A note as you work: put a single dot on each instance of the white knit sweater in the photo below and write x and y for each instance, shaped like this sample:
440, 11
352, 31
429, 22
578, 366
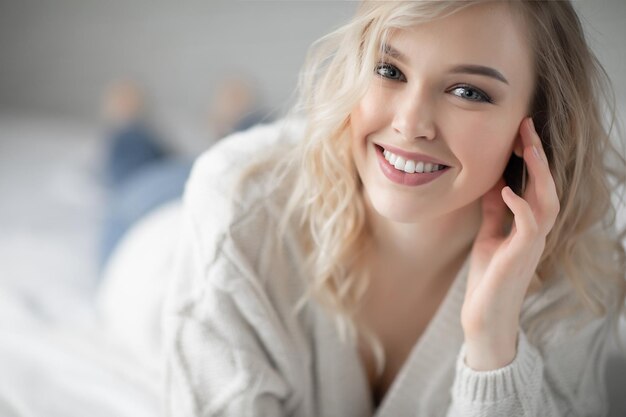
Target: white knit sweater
235, 347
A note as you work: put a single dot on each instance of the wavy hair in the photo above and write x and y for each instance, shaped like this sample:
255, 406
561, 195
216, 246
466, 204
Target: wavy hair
573, 108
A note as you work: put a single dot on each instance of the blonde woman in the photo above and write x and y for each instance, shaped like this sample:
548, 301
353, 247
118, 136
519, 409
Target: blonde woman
435, 239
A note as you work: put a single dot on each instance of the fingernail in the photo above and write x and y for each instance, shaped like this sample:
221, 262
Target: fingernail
532, 124
537, 154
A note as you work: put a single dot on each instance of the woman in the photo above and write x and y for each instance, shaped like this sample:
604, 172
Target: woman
382, 265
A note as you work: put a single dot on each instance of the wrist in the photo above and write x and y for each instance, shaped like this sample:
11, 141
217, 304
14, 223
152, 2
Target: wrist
488, 353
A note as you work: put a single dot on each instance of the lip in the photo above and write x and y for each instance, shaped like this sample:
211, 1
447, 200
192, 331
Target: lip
410, 155
404, 178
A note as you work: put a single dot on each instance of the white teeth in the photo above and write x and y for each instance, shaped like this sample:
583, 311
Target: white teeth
399, 164
410, 166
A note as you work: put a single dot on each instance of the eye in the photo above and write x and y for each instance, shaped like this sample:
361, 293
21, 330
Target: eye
471, 93
389, 71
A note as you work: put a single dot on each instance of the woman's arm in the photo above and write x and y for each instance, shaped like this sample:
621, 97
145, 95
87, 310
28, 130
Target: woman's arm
231, 348
217, 363
564, 378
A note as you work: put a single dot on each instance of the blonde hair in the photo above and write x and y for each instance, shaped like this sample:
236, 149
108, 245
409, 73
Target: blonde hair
572, 94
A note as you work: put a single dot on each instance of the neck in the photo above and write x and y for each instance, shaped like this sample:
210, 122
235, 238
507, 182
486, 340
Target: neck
425, 250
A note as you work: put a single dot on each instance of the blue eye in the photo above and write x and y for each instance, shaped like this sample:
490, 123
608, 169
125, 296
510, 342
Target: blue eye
472, 94
389, 71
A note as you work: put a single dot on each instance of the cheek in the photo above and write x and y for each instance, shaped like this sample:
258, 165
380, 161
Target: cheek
483, 147
370, 115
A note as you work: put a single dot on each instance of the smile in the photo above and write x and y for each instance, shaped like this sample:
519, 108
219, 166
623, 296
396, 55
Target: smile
409, 166
407, 171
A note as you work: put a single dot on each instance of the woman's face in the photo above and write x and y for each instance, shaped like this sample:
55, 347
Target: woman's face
425, 103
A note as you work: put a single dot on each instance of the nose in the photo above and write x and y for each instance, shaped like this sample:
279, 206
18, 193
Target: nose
414, 116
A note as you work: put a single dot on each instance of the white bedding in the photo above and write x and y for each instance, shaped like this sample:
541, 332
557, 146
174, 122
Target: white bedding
56, 359
50, 208
58, 370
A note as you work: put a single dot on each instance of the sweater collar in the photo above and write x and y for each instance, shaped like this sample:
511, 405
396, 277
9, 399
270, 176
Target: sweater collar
438, 346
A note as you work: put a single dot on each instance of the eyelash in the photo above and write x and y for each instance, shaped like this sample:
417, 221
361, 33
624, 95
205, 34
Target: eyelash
388, 66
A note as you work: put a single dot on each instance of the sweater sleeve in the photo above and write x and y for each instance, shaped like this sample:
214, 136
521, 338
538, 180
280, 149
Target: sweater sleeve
217, 360
565, 378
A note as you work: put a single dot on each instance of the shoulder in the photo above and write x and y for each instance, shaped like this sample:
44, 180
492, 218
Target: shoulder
231, 202
217, 172
231, 267
210, 193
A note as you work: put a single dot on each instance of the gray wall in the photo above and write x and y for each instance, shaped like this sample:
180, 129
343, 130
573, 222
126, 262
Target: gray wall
605, 28
56, 56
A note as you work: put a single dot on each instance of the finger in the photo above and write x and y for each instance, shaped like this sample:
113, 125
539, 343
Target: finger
524, 218
541, 190
529, 134
493, 212
540, 181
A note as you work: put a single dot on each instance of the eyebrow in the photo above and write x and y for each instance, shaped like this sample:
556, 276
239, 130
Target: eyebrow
458, 69
479, 70
394, 53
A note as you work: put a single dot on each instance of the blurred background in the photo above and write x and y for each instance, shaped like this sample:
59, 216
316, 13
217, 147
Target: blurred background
194, 71
58, 57
194, 64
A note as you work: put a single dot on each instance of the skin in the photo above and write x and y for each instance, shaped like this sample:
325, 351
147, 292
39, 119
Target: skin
422, 233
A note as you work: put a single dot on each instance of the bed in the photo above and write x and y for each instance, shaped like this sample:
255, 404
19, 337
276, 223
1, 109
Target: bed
57, 355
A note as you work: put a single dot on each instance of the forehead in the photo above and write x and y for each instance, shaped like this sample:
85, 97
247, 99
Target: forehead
484, 34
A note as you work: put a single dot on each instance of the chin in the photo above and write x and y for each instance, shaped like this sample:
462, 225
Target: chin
394, 209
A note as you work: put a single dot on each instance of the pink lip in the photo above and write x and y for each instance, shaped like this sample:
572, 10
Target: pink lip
410, 155
404, 178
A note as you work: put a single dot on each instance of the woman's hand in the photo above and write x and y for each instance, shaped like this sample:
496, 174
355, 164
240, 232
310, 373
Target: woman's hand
502, 265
